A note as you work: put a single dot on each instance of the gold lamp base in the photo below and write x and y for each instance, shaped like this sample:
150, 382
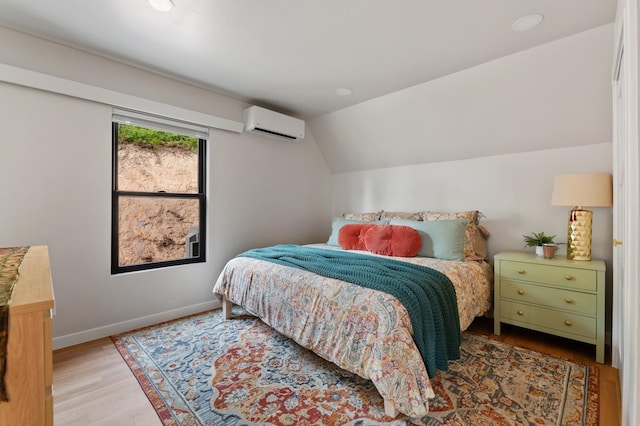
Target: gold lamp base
579, 234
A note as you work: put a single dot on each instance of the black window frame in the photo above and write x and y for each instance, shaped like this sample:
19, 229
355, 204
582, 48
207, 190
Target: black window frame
116, 194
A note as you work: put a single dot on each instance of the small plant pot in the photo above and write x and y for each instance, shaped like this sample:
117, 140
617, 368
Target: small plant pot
549, 250
539, 251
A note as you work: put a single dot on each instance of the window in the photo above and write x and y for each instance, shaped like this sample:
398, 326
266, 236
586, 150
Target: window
158, 193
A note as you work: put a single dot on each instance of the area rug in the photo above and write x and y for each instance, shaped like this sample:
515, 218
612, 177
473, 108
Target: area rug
202, 370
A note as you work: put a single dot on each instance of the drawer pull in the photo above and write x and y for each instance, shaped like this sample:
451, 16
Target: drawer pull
520, 312
521, 271
568, 277
568, 300
521, 292
567, 323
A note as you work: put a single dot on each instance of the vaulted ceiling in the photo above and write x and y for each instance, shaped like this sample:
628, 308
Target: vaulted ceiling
293, 55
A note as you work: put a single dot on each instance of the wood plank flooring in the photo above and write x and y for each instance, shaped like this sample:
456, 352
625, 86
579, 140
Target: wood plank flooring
94, 386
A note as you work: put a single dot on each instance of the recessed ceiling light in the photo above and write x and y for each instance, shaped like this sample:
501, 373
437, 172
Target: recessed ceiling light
343, 91
161, 5
528, 22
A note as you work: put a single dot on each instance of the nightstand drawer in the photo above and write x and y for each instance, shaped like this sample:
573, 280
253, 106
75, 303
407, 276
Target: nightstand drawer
574, 301
583, 279
563, 322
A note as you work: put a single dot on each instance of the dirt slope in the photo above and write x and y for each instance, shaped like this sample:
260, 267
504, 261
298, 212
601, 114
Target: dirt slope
154, 229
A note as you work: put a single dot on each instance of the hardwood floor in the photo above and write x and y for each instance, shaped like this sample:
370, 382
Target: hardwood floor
94, 386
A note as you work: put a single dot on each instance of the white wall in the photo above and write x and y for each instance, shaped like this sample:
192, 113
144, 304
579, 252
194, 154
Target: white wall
31, 53
489, 138
513, 191
551, 96
509, 126
55, 166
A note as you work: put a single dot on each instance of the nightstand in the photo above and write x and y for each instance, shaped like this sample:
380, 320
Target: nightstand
557, 296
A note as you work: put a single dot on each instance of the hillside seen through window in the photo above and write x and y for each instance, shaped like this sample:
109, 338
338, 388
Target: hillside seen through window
157, 199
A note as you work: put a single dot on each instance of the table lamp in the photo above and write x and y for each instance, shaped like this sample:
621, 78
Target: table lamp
580, 190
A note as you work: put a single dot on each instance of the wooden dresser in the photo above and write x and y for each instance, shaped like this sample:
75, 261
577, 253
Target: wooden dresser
556, 296
29, 375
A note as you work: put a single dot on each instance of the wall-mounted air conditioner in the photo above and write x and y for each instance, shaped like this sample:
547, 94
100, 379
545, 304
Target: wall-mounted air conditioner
273, 124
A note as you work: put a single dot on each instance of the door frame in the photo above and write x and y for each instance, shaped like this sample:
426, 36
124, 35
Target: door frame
626, 289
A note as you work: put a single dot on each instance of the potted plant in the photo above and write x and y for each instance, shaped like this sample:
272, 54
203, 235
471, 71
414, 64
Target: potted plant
537, 240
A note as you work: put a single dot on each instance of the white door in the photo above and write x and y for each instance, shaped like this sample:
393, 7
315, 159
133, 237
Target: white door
619, 128
626, 210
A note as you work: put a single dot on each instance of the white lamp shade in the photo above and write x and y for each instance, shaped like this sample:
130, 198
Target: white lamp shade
589, 190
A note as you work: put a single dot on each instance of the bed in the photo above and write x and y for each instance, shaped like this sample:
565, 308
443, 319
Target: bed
362, 330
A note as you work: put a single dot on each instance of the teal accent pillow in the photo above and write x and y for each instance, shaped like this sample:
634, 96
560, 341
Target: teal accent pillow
442, 239
339, 222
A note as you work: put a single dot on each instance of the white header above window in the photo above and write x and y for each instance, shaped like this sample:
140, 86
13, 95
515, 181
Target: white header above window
49, 83
159, 123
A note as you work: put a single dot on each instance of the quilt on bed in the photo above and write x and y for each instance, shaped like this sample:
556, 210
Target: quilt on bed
365, 331
426, 294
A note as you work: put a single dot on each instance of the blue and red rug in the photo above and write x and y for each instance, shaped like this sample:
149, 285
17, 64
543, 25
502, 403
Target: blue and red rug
202, 370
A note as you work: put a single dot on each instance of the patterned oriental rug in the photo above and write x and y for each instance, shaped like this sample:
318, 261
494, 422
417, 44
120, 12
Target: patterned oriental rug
202, 370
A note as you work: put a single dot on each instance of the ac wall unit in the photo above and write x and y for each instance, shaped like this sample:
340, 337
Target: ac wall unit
273, 124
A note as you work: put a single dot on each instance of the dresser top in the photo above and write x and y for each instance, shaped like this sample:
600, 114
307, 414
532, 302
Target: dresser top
521, 256
33, 290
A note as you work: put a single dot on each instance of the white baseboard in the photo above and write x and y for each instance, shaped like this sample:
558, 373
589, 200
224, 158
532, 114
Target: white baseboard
121, 327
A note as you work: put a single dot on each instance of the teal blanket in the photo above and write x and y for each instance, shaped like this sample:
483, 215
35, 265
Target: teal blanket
427, 294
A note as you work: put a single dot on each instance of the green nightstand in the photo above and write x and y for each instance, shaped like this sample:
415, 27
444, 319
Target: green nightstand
556, 296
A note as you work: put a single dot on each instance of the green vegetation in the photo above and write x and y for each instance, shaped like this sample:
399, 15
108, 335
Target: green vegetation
153, 138
537, 239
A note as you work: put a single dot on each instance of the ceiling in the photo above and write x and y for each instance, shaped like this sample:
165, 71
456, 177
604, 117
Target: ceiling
292, 55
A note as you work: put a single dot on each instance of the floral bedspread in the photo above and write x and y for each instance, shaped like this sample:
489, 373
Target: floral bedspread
364, 331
